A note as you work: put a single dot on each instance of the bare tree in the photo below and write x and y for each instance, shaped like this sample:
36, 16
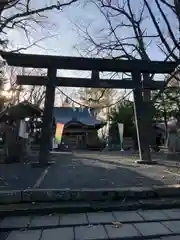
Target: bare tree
138, 29
96, 97
32, 94
170, 38
130, 30
26, 15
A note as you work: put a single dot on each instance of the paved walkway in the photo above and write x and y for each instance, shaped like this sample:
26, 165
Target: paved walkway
18, 176
147, 224
88, 170
99, 170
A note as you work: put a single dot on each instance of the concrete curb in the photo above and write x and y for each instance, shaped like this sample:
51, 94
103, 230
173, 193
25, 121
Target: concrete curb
25, 209
173, 156
11, 196
88, 195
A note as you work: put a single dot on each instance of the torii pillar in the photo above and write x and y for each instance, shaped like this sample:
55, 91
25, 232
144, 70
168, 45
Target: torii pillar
141, 123
46, 135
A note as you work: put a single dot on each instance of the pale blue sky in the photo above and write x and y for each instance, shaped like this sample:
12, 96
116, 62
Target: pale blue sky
63, 44
67, 38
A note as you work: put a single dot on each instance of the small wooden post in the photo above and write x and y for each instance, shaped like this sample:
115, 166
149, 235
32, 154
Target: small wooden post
46, 140
139, 107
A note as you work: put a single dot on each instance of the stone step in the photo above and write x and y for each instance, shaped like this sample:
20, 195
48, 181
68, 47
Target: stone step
55, 220
122, 225
80, 207
88, 195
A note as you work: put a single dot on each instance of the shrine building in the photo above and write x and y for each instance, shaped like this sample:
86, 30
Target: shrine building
80, 127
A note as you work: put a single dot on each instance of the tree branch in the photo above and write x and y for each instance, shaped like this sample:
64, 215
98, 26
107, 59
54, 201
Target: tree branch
57, 6
159, 31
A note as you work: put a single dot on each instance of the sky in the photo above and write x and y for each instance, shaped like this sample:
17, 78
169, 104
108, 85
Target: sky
67, 37
68, 40
67, 32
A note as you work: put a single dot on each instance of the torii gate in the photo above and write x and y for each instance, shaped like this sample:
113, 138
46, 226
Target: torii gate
53, 63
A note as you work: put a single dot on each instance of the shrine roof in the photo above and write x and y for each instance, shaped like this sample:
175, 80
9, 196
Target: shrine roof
83, 115
20, 110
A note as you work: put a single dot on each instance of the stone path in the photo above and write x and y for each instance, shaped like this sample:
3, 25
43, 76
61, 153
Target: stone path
87, 170
101, 170
18, 176
147, 224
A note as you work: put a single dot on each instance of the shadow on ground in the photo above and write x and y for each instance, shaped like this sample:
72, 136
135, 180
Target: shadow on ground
18, 176
85, 170
91, 172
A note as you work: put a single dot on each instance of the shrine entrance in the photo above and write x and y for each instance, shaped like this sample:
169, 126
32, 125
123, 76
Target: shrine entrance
142, 108
73, 135
74, 140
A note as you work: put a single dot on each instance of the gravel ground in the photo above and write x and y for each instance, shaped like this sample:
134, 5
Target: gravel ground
18, 176
102, 170
88, 170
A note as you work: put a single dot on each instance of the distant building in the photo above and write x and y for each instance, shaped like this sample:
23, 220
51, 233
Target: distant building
80, 127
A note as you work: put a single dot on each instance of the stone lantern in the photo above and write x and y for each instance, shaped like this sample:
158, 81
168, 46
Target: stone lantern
173, 139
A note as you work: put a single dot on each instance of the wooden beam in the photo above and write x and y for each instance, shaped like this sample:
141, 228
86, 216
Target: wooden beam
92, 64
85, 82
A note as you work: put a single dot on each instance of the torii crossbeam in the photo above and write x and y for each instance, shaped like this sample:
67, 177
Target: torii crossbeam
53, 63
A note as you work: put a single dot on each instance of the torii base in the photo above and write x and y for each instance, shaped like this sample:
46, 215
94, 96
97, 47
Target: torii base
41, 165
147, 162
